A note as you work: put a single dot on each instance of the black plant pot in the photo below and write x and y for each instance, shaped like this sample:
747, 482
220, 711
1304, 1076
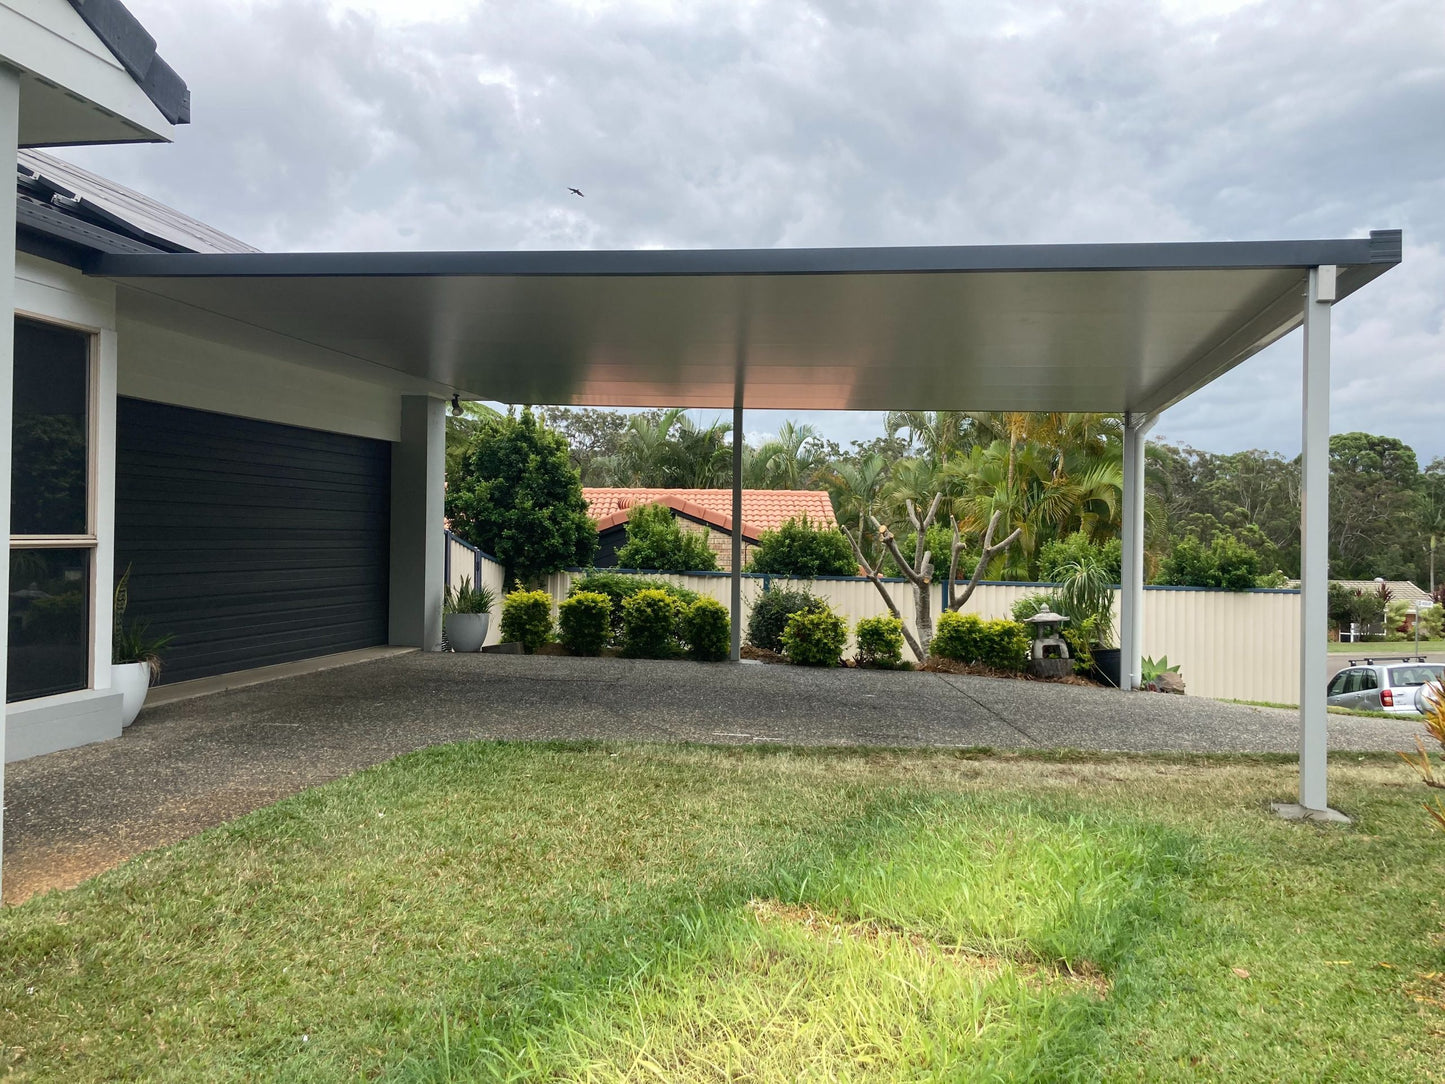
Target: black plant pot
1107, 663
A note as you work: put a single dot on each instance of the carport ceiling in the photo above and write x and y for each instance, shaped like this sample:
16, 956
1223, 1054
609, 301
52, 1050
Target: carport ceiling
1055, 327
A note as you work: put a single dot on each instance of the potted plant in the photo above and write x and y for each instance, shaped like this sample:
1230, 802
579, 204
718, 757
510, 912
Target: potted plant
135, 656
468, 613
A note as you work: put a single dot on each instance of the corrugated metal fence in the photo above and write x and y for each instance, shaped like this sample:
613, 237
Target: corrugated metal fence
1238, 645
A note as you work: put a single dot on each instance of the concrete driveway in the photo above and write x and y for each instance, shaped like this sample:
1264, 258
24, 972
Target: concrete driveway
195, 763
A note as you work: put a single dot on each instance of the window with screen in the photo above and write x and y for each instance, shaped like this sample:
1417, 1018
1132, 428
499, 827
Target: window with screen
52, 539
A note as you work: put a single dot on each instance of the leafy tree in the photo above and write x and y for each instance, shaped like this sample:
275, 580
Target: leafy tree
1225, 563
462, 431
516, 493
656, 541
594, 436
798, 548
1375, 508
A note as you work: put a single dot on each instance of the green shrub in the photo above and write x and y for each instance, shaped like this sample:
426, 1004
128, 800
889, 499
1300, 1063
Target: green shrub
815, 637
707, 631
880, 641
798, 548
657, 542
584, 622
1002, 644
650, 621
1226, 563
771, 612
527, 619
620, 586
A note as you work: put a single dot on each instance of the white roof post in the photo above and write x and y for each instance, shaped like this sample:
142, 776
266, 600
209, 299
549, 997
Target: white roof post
1314, 549
1131, 587
736, 600
9, 146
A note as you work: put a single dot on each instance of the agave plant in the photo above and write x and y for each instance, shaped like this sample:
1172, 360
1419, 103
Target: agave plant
466, 599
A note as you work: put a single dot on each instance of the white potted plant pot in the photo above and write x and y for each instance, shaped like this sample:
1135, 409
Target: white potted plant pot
132, 680
467, 632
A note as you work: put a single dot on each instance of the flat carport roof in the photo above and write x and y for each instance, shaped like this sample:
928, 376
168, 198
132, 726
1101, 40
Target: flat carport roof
1126, 328
1121, 328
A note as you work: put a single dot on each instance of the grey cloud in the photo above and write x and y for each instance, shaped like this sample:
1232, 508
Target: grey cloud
779, 123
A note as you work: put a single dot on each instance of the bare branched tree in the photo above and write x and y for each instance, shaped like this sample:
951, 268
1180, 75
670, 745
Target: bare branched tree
919, 571
989, 552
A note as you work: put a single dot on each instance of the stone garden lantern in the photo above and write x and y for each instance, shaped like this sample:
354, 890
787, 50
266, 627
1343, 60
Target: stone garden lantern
1049, 656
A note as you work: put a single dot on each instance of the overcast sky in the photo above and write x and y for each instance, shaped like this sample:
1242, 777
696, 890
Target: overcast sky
388, 124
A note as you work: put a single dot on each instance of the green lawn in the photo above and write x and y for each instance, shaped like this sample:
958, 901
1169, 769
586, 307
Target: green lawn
1388, 647
627, 913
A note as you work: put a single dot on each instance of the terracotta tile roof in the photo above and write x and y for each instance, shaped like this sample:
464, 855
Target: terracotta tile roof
763, 509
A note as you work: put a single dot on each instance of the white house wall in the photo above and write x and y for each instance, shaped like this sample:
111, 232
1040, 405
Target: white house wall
167, 366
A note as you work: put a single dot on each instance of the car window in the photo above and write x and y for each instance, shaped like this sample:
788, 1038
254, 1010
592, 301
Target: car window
1414, 675
1368, 680
1337, 686
1352, 681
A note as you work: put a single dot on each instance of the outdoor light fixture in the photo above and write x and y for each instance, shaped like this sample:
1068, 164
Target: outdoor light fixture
456, 406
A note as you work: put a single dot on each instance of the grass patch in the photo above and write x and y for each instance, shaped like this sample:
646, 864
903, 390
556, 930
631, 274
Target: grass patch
1329, 709
616, 913
1375, 649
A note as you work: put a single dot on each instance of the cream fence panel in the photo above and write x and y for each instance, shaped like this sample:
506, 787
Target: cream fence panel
1234, 645
464, 562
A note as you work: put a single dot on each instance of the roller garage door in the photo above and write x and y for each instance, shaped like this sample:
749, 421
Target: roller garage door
252, 543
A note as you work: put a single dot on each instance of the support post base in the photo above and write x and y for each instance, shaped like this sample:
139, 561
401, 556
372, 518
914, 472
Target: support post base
1293, 811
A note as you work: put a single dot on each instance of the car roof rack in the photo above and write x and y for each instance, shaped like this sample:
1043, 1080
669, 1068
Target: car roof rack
1387, 658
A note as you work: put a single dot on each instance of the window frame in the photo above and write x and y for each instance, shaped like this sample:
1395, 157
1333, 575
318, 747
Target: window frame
89, 540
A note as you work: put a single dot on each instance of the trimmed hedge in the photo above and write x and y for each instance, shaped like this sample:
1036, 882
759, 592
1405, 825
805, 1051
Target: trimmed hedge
655, 540
707, 631
801, 548
527, 619
880, 642
815, 638
584, 622
771, 612
1002, 644
621, 586
650, 622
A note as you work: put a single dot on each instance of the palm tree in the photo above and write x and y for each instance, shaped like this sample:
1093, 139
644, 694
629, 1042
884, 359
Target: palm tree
669, 451
856, 489
937, 434
791, 460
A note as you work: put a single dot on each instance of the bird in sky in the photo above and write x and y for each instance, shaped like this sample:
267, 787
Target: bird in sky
576, 192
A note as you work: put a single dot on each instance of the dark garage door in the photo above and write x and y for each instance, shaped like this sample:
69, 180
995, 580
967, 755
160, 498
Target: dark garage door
253, 543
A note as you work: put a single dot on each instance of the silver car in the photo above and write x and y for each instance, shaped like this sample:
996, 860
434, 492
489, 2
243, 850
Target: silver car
1398, 686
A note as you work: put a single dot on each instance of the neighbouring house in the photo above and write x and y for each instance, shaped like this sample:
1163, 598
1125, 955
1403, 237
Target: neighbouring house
705, 510
1402, 590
